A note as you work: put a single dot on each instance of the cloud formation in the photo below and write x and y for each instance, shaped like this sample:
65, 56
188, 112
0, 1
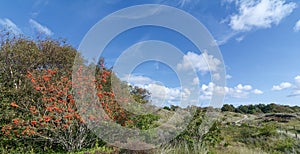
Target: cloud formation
161, 95
283, 85
297, 26
40, 28
228, 76
11, 26
294, 87
297, 80
203, 62
259, 14
258, 92
296, 90
137, 80
239, 91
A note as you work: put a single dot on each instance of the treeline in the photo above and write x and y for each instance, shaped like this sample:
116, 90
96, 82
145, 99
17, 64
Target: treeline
261, 108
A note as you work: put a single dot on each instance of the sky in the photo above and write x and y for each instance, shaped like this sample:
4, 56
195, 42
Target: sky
259, 41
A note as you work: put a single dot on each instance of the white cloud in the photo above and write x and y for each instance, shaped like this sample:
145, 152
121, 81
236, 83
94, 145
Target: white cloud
260, 14
160, 95
295, 87
296, 90
40, 28
11, 26
240, 39
196, 81
203, 62
228, 76
297, 80
258, 92
225, 38
239, 91
137, 80
245, 87
297, 26
282, 86
206, 91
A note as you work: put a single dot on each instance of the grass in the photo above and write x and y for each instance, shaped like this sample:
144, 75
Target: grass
238, 149
244, 138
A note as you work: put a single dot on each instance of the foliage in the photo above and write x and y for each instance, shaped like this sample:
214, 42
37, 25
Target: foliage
193, 134
260, 108
268, 130
38, 103
18, 56
140, 95
39, 113
263, 138
227, 107
145, 122
286, 145
181, 147
213, 137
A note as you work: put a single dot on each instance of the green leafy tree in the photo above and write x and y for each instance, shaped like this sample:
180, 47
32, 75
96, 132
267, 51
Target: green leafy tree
268, 130
227, 107
140, 95
213, 137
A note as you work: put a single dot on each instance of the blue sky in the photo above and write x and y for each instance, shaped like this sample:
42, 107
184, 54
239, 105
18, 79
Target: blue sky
259, 41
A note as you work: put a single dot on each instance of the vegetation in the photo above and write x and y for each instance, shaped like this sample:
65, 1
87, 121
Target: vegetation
39, 114
261, 108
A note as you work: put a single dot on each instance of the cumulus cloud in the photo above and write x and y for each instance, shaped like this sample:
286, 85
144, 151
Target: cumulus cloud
259, 14
228, 76
207, 91
239, 91
297, 26
294, 87
161, 95
297, 80
203, 62
296, 90
245, 87
258, 92
11, 26
281, 86
40, 28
